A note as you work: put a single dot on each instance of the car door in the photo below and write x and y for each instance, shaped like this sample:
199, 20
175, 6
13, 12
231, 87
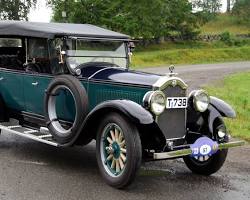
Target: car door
11, 73
35, 86
11, 89
38, 78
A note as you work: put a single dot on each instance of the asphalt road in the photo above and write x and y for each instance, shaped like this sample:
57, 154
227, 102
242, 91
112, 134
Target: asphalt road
30, 170
199, 75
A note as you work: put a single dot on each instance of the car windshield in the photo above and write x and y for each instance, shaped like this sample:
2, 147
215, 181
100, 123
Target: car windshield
82, 53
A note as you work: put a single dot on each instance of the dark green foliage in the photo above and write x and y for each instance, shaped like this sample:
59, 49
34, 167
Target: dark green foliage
204, 17
209, 6
206, 10
15, 9
226, 38
242, 10
140, 19
231, 40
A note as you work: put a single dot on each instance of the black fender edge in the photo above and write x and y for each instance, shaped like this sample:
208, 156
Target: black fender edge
218, 108
133, 111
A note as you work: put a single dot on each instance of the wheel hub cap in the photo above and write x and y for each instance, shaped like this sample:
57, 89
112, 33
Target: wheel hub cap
114, 150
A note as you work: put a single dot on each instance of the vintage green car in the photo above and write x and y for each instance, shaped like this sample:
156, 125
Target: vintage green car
68, 84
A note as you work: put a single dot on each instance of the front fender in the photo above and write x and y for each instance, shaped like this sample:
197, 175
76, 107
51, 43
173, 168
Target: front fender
218, 108
222, 107
132, 110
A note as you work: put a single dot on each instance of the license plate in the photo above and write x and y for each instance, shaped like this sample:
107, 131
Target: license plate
176, 102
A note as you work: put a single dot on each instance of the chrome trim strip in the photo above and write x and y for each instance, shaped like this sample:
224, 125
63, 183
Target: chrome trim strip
165, 81
101, 81
186, 152
231, 144
98, 72
101, 38
172, 154
172, 139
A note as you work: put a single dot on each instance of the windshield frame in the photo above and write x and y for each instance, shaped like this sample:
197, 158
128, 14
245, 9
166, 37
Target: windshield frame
126, 50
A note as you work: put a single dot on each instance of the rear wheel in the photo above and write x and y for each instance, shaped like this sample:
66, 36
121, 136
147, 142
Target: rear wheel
118, 150
207, 165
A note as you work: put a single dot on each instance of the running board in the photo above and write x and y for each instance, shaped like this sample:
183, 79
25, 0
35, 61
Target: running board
41, 135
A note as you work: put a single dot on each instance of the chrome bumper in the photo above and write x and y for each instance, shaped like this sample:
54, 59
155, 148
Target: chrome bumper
186, 152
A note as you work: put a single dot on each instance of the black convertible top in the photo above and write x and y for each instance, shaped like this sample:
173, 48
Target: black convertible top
51, 30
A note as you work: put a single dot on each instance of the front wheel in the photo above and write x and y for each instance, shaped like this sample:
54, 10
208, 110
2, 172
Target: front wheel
207, 165
118, 150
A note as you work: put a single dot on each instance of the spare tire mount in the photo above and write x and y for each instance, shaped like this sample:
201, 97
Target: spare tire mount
65, 82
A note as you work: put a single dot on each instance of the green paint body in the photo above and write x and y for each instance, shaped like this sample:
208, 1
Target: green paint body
20, 94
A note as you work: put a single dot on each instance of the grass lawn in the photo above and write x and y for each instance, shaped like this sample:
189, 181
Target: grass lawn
223, 23
235, 90
194, 54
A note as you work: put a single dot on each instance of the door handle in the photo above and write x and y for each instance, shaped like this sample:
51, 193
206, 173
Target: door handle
35, 83
1, 78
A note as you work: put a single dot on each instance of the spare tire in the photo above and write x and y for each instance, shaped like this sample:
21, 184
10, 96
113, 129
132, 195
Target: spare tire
59, 132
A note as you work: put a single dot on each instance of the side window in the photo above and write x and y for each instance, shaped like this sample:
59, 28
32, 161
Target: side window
12, 53
38, 48
38, 56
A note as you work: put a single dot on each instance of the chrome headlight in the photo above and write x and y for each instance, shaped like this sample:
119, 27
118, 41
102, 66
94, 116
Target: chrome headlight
155, 101
201, 100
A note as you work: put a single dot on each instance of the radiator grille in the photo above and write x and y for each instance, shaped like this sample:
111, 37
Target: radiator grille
172, 122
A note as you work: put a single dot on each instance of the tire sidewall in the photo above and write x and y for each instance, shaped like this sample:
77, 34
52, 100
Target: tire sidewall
133, 147
81, 105
214, 163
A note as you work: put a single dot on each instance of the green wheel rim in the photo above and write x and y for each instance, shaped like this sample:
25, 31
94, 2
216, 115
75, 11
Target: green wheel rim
113, 150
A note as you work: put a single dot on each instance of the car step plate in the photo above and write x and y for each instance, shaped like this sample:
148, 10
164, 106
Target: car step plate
41, 135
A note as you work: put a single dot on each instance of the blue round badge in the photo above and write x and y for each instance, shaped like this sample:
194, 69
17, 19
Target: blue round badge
204, 146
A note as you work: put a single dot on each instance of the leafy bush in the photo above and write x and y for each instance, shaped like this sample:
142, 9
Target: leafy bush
242, 10
231, 40
226, 38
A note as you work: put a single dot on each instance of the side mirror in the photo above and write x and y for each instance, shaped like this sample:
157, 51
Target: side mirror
131, 46
61, 55
57, 50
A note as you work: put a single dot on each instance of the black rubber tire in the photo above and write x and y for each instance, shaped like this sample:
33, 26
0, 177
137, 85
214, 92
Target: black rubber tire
213, 164
3, 111
133, 146
81, 103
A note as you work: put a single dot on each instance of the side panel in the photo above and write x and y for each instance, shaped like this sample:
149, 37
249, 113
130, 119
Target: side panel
11, 89
34, 91
69, 108
100, 92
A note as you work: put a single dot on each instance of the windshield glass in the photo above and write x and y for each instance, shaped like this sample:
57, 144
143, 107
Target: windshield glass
84, 52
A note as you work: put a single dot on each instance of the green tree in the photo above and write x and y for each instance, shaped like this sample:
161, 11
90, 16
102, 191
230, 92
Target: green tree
230, 4
206, 10
15, 9
242, 10
140, 19
210, 6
